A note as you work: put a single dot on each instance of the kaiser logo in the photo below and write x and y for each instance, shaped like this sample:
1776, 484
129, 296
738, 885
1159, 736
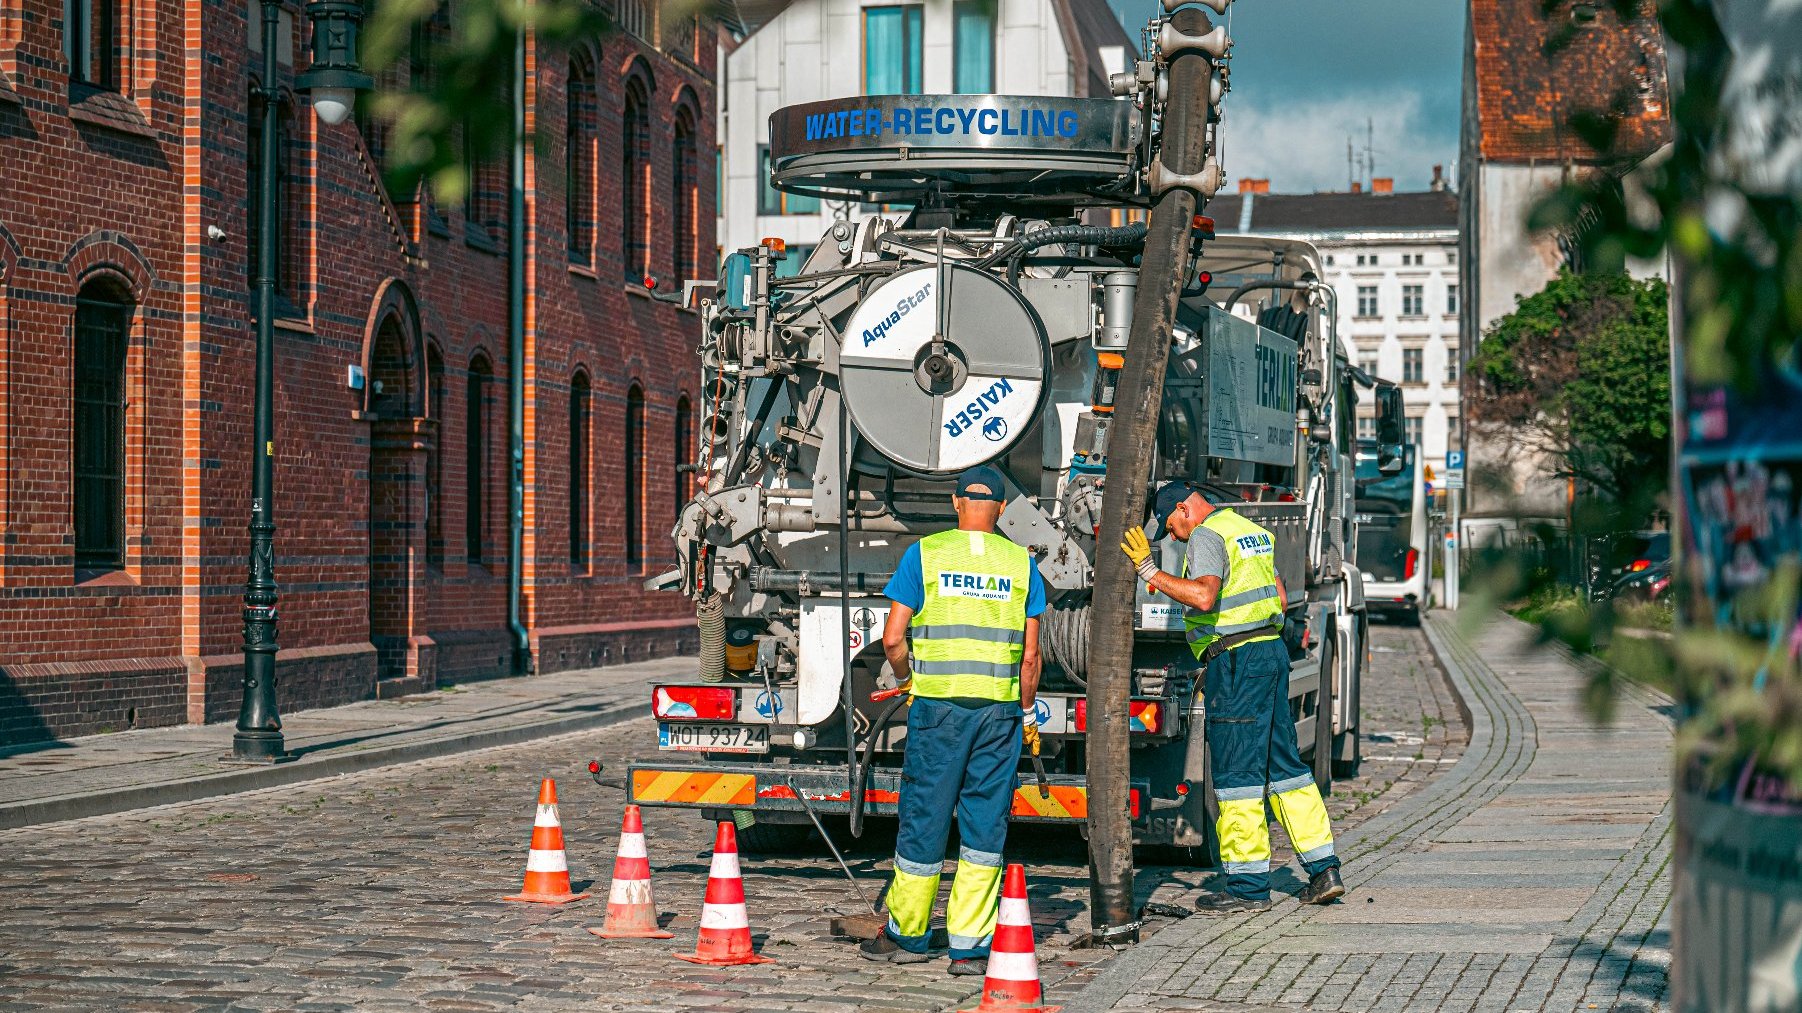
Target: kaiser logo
982, 404
995, 429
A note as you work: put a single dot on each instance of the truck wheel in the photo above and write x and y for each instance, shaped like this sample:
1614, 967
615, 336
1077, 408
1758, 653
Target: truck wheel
1348, 753
1323, 718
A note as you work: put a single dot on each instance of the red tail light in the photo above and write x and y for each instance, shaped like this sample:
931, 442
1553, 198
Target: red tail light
1638, 565
1142, 716
695, 703
1411, 565
1659, 585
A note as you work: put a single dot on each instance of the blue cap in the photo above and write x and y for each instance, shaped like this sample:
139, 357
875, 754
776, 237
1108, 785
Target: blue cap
982, 482
1163, 503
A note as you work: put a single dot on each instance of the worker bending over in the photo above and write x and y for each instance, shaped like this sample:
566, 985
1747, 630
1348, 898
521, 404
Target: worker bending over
970, 598
1233, 605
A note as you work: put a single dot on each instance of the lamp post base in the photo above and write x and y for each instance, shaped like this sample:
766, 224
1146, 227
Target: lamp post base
260, 749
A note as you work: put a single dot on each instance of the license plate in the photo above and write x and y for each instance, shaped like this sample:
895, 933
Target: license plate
714, 738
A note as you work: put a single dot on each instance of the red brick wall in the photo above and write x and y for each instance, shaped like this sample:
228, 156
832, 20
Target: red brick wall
377, 284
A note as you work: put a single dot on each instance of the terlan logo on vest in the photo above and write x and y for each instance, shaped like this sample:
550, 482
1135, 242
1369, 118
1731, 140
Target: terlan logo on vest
986, 586
1255, 545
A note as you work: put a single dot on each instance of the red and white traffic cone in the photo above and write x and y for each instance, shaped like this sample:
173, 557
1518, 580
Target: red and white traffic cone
725, 927
631, 913
547, 867
1012, 983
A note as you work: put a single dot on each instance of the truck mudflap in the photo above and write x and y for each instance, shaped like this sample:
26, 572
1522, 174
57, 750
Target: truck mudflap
762, 787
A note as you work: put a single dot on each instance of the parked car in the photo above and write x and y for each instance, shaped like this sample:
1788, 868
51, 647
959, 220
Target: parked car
1647, 585
1626, 556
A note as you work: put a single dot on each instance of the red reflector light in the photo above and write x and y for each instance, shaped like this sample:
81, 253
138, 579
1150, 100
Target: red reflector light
1660, 584
594, 766
1133, 794
1182, 788
695, 703
1411, 565
1206, 278
1142, 716
1638, 565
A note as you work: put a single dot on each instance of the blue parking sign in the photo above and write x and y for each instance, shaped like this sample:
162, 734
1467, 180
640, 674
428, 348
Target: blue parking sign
1454, 459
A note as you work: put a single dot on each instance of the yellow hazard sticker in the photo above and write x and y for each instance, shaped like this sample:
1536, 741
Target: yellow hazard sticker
694, 788
1066, 802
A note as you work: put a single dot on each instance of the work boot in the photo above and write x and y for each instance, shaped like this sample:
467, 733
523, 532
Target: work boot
1228, 904
1324, 888
970, 965
884, 947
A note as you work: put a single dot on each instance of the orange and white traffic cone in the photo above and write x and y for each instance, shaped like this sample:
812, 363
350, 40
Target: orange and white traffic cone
725, 927
631, 913
547, 868
1012, 983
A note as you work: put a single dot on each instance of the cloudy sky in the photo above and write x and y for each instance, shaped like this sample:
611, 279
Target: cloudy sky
1308, 74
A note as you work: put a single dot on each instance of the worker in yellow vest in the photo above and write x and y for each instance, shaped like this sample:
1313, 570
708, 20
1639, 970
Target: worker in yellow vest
1233, 608
971, 599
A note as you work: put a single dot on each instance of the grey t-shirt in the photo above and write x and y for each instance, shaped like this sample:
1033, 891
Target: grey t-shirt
1207, 555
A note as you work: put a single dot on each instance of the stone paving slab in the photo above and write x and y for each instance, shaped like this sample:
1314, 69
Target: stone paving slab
1434, 919
381, 891
90, 775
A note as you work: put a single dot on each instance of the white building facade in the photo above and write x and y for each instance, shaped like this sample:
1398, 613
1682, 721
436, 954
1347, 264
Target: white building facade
1392, 259
813, 50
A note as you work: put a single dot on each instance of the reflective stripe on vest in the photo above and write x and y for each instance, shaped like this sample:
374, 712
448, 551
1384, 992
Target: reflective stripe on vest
1248, 596
969, 635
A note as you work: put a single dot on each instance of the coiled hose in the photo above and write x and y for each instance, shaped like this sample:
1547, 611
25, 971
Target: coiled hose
710, 621
1064, 639
1083, 235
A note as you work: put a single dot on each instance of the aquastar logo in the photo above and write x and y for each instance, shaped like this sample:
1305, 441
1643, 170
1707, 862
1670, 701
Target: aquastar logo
986, 586
903, 306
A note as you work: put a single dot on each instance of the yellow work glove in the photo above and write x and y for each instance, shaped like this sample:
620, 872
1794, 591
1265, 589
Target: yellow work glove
1030, 732
1138, 549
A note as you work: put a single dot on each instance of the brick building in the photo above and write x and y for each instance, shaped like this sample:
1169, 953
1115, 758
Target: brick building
126, 363
1530, 70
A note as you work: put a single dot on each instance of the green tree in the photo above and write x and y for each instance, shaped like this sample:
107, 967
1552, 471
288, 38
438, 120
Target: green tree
1581, 371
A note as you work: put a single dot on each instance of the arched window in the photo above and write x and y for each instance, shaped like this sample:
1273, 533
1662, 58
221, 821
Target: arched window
635, 183
475, 469
685, 201
580, 410
103, 312
287, 255
434, 464
685, 453
580, 139
635, 490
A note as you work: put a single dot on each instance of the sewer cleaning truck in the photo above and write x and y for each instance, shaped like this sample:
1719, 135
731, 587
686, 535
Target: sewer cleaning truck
986, 323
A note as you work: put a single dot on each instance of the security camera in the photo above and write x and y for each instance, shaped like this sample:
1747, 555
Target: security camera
215, 233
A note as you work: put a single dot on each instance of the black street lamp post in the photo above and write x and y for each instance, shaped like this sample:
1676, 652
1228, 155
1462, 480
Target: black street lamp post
333, 79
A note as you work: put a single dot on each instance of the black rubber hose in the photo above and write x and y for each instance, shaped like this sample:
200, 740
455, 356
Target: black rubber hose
1085, 235
869, 746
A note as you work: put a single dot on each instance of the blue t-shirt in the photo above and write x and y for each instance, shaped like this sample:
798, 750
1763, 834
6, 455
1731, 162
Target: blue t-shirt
908, 585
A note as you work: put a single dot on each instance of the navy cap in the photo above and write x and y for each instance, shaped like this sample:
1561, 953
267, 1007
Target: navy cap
982, 482
1168, 496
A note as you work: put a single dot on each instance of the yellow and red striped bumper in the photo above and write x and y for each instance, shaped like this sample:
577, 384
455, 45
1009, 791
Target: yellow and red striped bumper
826, 790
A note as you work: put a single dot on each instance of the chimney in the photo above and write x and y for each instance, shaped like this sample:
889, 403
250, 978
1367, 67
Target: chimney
1357, 187
1438, 184
1382, 184
1249, 185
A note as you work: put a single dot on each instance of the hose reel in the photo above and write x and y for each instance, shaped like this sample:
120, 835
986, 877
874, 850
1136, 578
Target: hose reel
939, 402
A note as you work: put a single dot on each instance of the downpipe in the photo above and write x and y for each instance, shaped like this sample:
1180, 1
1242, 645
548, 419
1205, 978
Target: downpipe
516, 372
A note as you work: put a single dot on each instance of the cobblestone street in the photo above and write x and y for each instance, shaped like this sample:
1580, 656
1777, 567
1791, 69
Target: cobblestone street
381, 890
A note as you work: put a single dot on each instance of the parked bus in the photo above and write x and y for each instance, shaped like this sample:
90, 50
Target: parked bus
1394, 545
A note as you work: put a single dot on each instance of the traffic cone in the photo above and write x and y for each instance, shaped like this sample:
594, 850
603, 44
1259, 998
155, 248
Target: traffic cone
547, 869
725, 928
1012, 983
631, 913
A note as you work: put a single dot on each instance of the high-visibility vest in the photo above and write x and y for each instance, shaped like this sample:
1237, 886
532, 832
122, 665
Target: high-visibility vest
1248, 596
970, 633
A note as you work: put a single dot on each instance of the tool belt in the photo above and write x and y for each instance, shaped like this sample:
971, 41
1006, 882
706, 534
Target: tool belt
1232, 640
